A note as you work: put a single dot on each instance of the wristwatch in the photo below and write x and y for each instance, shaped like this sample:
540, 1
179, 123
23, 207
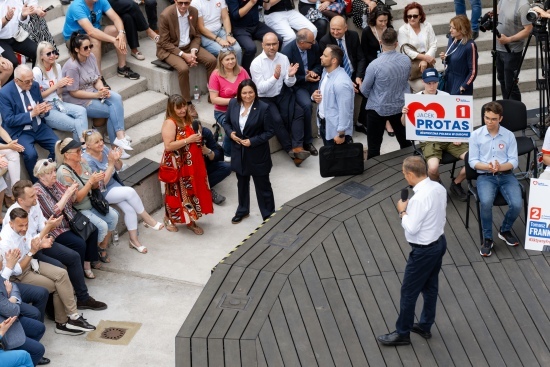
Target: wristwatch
122, 31
230, 34
341, 135
30, 254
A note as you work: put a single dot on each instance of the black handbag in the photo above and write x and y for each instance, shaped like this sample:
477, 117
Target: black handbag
341, 160
96, 197
80, 224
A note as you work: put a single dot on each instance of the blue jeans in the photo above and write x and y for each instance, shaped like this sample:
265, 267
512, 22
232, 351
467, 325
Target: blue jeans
220, 119
104, 223
15, 358
113, 110
460, 8
75, 120
487, 188
421, 276
507, 64
214, 47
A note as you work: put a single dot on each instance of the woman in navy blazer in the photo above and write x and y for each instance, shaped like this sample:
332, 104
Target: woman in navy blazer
248, 125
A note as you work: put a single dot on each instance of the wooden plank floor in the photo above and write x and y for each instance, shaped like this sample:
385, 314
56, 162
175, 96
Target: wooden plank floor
317, 282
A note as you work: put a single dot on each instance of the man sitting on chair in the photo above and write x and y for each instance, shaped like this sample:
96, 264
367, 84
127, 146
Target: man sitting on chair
433, 150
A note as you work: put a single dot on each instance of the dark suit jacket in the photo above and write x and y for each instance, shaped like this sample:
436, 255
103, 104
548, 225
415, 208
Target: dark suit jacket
313, 60
15, 336
255, 159
14, 114
355, 53
169, 31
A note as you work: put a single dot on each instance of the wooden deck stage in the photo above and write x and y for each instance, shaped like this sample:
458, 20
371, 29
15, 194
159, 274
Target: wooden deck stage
321, 279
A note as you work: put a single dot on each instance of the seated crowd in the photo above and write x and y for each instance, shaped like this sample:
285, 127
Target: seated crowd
309, 57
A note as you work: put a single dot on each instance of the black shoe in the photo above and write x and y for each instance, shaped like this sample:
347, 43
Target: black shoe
475, 35
126, 72
509, 238
486, 247
91, 304
238, 218
311, 149
63, 329
458, 191
425, 334
360, 128
43, 361
105, 83
391, 133
79, 324
394, 339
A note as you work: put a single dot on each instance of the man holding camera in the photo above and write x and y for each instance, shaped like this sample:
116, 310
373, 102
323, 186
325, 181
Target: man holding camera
514, 29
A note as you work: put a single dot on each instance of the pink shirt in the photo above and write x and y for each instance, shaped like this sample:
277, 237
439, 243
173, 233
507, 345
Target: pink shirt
224, 87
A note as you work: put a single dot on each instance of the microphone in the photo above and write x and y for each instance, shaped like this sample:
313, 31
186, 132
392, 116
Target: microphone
404, 194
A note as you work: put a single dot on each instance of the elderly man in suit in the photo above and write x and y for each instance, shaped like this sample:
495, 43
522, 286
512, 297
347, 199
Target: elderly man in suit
179, 45
23, 110
305, 53
354, 62
25, 333
335, 98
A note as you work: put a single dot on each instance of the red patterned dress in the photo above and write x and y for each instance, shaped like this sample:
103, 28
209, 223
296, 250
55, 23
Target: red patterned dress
189, 198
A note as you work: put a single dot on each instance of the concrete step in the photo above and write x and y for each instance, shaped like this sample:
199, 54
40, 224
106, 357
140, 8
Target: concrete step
125, 87
143, 106
483, 83
146, 134
56, 29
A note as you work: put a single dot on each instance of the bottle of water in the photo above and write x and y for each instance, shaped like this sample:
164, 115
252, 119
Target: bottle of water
317, 4
364, 25
197, 94
59, 105
115, 238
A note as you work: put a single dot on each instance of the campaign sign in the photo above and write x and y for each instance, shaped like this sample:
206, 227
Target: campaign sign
439, 118
537, 233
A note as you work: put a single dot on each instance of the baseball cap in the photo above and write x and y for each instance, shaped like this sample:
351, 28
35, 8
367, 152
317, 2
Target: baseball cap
430, 75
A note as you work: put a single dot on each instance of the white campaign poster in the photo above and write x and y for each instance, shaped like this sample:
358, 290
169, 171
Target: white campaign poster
439, 118
537, 232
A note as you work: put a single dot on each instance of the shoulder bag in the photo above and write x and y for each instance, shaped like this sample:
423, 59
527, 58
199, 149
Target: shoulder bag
341, 160
80, 224
96, 197
415, 64
168, 170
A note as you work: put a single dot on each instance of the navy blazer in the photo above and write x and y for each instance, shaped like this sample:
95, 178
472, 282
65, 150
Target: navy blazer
15, 337
255, 159
15, 115
355, 52
313, 61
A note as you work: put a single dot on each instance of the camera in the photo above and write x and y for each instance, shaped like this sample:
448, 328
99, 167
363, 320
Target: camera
532, 15
486, 22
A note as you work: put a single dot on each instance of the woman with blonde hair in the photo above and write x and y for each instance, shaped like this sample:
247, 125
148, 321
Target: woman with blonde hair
460, 58
47, 73
102, 159
189, 198
71, 169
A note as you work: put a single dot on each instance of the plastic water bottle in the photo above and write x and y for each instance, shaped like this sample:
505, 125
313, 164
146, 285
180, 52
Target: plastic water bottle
197, 94
317, 4
115, 238
59, 105
365, 19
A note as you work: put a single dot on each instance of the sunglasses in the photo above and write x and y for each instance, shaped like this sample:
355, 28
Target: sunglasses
411, 16
46, 162
25, 81
89, 47
54, 52
226, 49
93, 16
90, 132
181, 3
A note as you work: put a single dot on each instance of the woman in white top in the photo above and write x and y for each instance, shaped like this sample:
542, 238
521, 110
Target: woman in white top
47, 74
419, 34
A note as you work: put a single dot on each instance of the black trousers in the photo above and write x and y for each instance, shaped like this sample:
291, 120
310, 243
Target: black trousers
264, 195
11, 46
291, 136
322, 24
376, 125
132, 18
246, 36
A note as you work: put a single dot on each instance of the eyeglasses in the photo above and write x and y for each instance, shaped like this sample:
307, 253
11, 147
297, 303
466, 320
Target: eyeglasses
89, 47
78, 151
310, 43
182, 3
272, 44
54, 52
226, 49
411, 16
24, 81
93, 16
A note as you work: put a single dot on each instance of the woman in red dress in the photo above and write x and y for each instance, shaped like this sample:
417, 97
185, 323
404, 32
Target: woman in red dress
189, 197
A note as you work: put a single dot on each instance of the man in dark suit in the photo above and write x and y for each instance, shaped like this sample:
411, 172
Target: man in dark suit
23, 111
354, 62
183, 52
305, 53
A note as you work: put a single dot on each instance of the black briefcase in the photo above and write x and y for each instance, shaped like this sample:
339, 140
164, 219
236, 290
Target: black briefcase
341, 160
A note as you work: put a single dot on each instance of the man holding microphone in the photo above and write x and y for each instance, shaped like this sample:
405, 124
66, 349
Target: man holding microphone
423, 219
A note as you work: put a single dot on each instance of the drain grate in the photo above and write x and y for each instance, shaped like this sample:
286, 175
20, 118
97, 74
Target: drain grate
113, 333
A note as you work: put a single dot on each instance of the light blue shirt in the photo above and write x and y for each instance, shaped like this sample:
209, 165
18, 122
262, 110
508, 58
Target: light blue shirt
79, 10
486, 149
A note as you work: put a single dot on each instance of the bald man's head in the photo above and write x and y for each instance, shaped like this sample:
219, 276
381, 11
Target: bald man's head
338, 27
270, 44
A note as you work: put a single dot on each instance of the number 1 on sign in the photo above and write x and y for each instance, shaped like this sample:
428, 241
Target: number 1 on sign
463, 111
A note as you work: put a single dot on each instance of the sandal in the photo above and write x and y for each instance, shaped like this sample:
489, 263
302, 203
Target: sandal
138, 55
104, 258
89, 274
141, 249
96, 265
195, 228
170, 227
156, 227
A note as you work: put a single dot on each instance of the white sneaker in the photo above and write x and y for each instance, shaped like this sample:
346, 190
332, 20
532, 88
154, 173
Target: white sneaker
124, 155
123, 143
127, 137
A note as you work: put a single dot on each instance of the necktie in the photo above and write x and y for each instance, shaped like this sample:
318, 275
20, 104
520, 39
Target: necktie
27, 104
347, 68
304, 59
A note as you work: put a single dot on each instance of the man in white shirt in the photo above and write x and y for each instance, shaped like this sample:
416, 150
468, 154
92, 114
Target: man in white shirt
31, 271
423, 220
215, 27
274, 75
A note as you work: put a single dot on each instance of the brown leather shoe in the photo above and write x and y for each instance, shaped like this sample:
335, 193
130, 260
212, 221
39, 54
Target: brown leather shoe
298, 161
192, 110
311, 149
300, 153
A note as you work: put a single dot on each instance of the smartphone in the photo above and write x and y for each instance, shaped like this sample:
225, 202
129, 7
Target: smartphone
48, 8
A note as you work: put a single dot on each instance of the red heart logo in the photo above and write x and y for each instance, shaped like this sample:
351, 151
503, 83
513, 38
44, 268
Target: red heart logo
415, 106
